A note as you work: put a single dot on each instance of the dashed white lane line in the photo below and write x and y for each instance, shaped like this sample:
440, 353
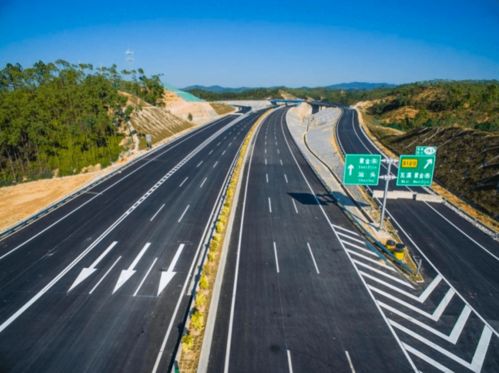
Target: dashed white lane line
276, 260
145, 276
270, 205
294, 205
280, 161
286, 178
350, 364
182, 216
202, 182
218, 143
157, 212
267, 178
215, 164
313, 258
265, 150
105, 275
265, 161
199, 164
211, 151
183, 182
223, 153
290, 364
278, 152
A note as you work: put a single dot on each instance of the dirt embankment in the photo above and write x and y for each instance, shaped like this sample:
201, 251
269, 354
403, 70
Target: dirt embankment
467, 159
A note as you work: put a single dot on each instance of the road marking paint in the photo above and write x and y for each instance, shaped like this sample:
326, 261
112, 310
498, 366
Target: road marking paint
265, 150
223, 153
286, 178
276, 260
379, 262
478, 357
346, 230
199, 164
426, 358
350, 364
396, 279
127, 273
363, 249
182, 216
351, 238
215, 164
105, 275
218, 143
211, 151
313, 258
294, 205
267, 177
145, 276
290, 365
167, 276
183, 182
278, 152
270, 205
157, 212
280, 161
454, 334
265, 161
202, 183
230, 143
435, 316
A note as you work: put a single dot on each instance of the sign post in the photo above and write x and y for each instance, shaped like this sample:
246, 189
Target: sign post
387, 179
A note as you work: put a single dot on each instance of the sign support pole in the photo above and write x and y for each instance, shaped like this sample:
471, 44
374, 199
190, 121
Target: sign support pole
387, 181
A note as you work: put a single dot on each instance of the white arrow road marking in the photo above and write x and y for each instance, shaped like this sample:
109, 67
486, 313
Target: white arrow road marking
428, 163
167, 276
126, 274
350, 169
86, 272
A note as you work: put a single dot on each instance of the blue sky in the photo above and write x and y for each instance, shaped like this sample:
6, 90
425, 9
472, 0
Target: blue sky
262, 43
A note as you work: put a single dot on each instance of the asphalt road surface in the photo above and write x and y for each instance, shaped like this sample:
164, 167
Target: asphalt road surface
102, 283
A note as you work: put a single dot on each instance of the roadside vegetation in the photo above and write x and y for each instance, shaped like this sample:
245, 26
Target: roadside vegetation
58, 118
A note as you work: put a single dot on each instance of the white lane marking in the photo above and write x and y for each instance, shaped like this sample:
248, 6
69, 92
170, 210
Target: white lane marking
161, 152
463, 232
290, 364
276, 260
294, 205
265, 150
478, 357
105, 275
392, 278
313, 258
270, 205
435, 316
265, 161
86, 272
199, 164
230, 143
223, 153
350, 237
380, 262
454, 334
426, 358
267, 177
183, 182
350, 364
363, 249
346, 230
280, 161
157, 212
204, 181
218, 143
145, 276
211, 151
215, 164
127, 273
236, 271
182, 216
286, 178
167, 276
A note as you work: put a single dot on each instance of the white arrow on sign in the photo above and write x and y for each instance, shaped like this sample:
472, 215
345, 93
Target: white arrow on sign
350, 169
130, 271
167, 276
86, 272
429, 162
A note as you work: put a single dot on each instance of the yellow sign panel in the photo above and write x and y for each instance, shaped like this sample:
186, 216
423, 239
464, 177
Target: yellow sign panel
409, 163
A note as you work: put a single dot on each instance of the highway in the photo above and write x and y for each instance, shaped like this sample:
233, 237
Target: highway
291, 299
452, 249
102, 283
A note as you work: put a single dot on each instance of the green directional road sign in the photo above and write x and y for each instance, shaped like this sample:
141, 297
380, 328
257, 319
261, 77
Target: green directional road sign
426, 150
416, 170
361, 169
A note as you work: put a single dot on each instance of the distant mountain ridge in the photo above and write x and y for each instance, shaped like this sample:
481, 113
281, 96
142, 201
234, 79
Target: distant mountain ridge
343, 86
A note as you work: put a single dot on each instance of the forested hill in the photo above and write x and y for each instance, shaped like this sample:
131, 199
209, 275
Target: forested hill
57, 118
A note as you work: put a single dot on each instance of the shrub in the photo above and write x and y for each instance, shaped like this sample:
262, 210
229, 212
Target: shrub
197, 320
203, 282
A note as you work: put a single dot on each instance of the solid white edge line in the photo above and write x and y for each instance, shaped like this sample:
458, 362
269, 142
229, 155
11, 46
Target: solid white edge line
105, 275
145, 276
